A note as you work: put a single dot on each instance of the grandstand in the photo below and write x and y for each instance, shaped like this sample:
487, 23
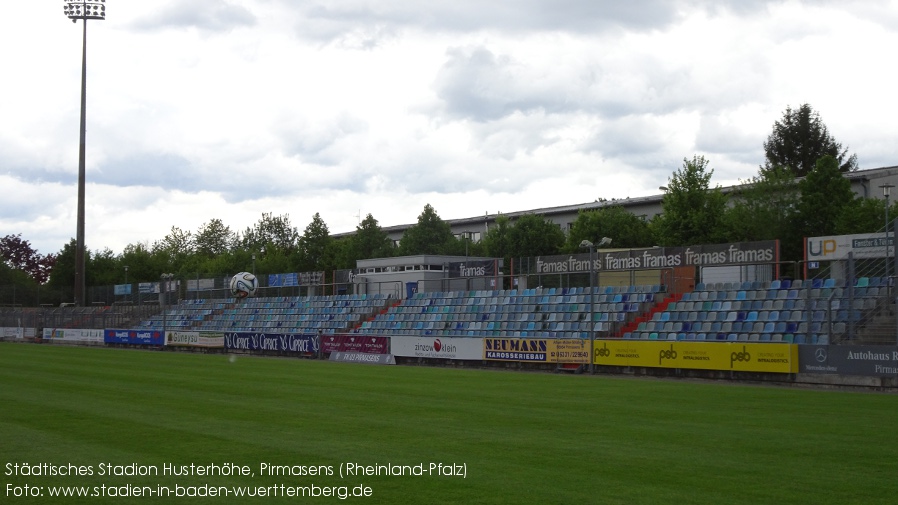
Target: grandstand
97, 316
817, 311
310, 314
850, 301
778, 311
529, 313
821, 330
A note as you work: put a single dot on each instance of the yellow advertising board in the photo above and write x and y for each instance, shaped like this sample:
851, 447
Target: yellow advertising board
737, 356
575, 350
540, 350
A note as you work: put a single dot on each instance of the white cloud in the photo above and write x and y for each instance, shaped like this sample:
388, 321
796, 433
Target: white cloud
209, 15
229, 108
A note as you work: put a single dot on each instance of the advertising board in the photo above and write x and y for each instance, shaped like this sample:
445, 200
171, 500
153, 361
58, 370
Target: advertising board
195, 339
277, 342
866, 360
437, 347
539, 350
73, 335
355, 343
134, 337
736, 356
741, 253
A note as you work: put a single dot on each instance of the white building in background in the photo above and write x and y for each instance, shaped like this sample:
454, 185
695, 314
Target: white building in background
403, 276
864, 183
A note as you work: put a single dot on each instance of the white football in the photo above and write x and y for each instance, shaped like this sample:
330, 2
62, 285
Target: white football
244, 285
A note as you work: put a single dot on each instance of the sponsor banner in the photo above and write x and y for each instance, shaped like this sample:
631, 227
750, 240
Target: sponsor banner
355, 343
195, 339
574, 350
536, 350
310, 278
516, 349
375, 345
134, 337
73, 335
363, 357
862, 245
278, 342
440, 348
473, 268
283, 280
157, 287
201, 284
866, 360
17, 333
737, 356
343, 276
122, 289
332, 343
743, 253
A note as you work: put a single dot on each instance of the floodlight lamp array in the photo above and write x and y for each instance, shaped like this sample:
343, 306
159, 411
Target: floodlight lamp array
85, 9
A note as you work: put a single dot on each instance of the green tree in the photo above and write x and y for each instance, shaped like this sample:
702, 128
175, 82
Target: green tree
7, 274
534, 235
17, 287
214, 238
801, 138
269, 233
864, 215
825, 194
314, 246
497, 241
370, 241
467, 244
343, 252
142, 265
102, 270
430, 235
62, 276
765, 209
615, 222
173, 250
692, 212
228, 264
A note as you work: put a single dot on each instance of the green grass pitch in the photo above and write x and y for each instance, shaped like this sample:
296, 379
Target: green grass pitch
521, 437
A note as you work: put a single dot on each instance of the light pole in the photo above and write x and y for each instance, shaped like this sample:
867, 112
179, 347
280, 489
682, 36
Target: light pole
166, 279
586, 244
127, 286
886, 192
84, 10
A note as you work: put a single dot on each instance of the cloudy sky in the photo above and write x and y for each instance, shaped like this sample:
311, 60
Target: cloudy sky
202, 109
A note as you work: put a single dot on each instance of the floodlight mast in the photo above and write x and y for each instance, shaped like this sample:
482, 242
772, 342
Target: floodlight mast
75, 10
586, 244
